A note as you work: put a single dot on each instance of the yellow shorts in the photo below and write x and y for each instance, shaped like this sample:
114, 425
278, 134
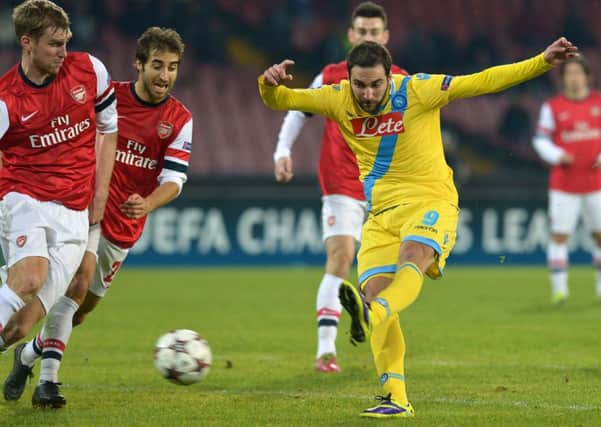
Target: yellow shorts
433, 223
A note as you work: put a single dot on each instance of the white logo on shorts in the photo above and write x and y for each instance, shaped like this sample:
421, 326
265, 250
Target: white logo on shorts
21, 240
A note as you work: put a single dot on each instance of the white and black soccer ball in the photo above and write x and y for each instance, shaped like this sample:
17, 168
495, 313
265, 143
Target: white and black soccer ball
182, 356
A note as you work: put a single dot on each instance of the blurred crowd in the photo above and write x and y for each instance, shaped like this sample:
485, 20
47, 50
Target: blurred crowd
430, 35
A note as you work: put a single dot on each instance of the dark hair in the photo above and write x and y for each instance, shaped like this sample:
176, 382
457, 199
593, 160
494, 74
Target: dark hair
160, 39
369, 54
32, 17
576, 60
369, 9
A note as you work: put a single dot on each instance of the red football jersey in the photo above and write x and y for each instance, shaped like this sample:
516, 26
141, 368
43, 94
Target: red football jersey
155, 140
338, 171
48, 131
575, 127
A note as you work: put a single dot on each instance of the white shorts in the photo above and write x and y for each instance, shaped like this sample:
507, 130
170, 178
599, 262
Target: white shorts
342, 216
29, 227
565, 210
109, 258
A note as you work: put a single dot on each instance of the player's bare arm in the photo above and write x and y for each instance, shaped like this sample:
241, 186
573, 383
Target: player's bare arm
104, 171
137, 206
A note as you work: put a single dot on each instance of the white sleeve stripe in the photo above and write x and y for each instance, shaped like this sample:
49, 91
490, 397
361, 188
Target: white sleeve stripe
547, 150
105, 95
4, 118
183, 138
545, 119
317, 82
103, 79
176, 160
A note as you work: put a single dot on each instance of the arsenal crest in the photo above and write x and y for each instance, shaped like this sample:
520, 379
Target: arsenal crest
79, 95
21, 240
164, 129
331, 220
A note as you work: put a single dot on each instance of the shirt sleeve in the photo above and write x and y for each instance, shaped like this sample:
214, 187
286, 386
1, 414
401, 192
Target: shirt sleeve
543, 138
293, 125
438, 90
322, 101
291, 128
105, 102
177, 158
4, 118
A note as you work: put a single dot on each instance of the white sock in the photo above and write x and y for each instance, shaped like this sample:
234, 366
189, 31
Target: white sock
557, 259
10, 303
32, 350
328, 313
57, 330
597, 265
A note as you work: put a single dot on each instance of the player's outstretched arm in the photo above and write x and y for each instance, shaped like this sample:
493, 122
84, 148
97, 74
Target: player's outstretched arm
499, 78
323, 101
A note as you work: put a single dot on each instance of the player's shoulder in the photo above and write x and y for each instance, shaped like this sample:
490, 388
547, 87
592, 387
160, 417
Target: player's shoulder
440, 82
81, 62
9, 80
178, 109
334, 66
333, 73
78, 58
595, 95
557, 101
395, 69
122, 87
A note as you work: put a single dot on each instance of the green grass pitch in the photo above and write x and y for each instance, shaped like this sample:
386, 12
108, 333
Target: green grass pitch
484, 348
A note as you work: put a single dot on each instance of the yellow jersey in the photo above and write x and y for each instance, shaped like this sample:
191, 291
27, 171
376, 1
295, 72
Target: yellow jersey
399, 149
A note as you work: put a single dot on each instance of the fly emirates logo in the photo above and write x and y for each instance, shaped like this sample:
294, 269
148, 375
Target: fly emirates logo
134, 156
387, 124
62, 131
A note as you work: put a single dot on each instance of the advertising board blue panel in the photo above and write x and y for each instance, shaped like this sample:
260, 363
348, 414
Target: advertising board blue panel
281, 232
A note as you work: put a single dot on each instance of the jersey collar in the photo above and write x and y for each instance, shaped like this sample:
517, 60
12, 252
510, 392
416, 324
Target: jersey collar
132, 87
48, 80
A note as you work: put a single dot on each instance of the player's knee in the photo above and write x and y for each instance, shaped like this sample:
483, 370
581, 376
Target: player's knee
418, 254
374, 286
341, 258
28, 286
560, 238
15, 332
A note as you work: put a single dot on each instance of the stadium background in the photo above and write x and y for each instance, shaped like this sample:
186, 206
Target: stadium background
232, 212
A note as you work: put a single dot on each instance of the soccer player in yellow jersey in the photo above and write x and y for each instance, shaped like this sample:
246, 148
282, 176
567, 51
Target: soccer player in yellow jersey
392, 124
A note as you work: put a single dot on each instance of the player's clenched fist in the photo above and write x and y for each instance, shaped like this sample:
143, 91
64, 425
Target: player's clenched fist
560, 50
277, 73
283, 169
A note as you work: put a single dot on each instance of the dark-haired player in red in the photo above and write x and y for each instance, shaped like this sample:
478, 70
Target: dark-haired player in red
344, 208
153, 151
568, 137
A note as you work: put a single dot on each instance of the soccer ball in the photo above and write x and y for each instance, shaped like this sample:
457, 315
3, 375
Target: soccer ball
182, 356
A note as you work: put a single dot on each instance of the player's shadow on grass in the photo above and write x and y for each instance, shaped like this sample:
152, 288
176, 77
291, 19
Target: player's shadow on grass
548, 308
